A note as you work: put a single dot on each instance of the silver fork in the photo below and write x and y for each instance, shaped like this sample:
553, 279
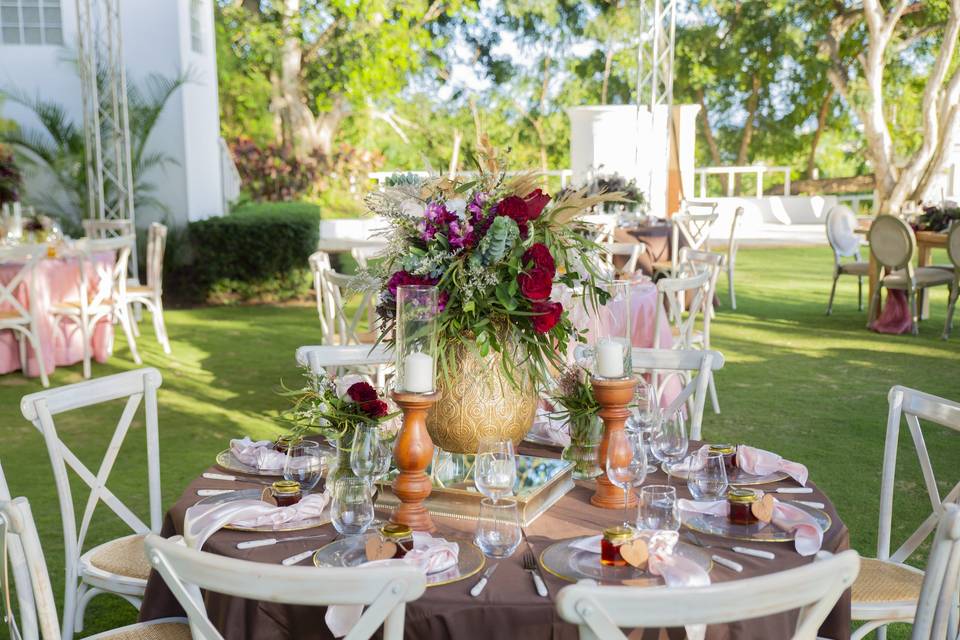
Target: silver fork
530, 564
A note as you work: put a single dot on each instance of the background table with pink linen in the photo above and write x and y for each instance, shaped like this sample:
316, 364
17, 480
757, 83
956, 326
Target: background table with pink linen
56, 280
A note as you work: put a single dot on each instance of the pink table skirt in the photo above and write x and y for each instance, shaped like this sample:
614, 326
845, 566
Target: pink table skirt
56, 280
895, 317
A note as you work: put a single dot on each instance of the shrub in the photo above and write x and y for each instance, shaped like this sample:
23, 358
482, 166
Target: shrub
10, 177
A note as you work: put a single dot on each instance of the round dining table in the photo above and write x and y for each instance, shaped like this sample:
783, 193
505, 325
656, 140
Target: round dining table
509, 607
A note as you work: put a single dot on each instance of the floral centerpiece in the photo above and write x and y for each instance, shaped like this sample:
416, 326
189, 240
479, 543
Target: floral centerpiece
11, 180
495, 246
576, 405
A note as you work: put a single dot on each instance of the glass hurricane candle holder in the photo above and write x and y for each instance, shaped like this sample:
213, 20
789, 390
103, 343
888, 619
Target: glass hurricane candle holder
416, 338
613, 337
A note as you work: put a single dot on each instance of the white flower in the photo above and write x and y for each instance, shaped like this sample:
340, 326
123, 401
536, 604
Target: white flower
457, 206
344, 383
412, 208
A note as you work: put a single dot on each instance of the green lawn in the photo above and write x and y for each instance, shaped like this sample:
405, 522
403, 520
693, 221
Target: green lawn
809, 387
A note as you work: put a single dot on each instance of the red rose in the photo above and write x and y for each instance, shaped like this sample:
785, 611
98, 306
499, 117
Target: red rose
375, 408
536, 284
536, 201
541, 258
514, 208
549, 315
362, 392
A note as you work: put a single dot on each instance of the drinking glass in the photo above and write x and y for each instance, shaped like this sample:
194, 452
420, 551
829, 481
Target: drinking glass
498, 528
365, 452
495, 469
644, 417
304, 464
668, 442
626, 463
658, 508
351, 509
709, 480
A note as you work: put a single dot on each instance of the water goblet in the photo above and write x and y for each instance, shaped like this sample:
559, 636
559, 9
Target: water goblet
668, 441
626, 464
351, 510
365, 451
707, 481
304, 464
498, 528
495, 468
658, 508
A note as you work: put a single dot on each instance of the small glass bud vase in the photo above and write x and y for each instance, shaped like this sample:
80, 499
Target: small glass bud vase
613, 334
416, 339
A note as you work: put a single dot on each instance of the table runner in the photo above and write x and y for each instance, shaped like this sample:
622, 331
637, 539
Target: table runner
509, 607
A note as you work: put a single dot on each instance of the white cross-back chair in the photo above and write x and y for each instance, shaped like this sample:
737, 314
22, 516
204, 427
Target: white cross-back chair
732, 254
384, 591
692, 262
22, 319
953, 252
629, 250
118, 566
601, 611
34, 595
692, 224
333, 360
888, 589
344, 327
150, 295
841, 225
604, 225
319, 265
105, 229
936, 617
107, 298
665, 364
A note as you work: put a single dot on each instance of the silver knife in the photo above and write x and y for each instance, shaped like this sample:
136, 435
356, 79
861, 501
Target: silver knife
482, 582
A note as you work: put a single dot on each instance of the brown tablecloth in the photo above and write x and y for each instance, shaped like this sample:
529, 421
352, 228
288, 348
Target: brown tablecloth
508, 608
657, 239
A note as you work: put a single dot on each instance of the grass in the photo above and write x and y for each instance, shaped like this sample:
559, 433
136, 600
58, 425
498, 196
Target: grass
810, 387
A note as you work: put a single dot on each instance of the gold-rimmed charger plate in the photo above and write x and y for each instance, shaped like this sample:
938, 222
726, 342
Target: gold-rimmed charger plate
759, 532
569, 563
351, 552
738, 477
254, 494
226, 460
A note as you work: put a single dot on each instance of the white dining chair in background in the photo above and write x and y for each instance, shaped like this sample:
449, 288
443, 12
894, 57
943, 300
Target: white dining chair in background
335, 360
38, 611
150, 295
319, 264
692, 262
888, 589
841, 225
18, 318
953, 252
602, 611
691, 225
630, 251
937, 614
118, 566
732, 255
383, 591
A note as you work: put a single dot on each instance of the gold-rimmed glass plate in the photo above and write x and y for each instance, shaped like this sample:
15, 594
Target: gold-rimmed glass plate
738, 477
759, 532
570, 563
226, 460
254, 494
352, 552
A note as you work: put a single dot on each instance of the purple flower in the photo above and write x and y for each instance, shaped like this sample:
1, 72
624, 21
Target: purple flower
461, 234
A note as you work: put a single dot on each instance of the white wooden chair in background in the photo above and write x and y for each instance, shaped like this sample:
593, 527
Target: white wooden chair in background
604, 225
106, 229
841, 225
663, 364
334, 360
936, 617
953, 252
732, 255
888, 589
22, 320
383, 591
319, 265
692, 262
333, 289
118, 566
38, 611
108, 299
693, 224
150, 295
601, 611
629, 250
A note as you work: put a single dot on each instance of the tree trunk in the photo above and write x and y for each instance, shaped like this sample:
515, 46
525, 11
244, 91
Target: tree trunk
290, 61
707, 130
753, 103
607, 67
822, 116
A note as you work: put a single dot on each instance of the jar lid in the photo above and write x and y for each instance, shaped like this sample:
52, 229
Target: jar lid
722, 448
395, 531
742, 496
286, 487
289, 438
618, 533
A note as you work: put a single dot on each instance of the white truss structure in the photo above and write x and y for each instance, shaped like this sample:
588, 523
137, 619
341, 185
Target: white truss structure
106, 122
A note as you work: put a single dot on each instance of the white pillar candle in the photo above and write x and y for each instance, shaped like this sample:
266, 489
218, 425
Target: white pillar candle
610, 358
418, 373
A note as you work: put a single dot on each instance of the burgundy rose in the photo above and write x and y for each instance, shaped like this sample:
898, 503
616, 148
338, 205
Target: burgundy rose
514, 208
362, 392
375, 408
401, 278
549, 315
536, 284
541, 258
536, 201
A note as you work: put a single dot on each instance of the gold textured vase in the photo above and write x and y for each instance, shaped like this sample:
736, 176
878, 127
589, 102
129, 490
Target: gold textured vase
480, 401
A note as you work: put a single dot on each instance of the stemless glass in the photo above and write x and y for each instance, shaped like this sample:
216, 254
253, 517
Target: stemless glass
669, 442
626, 463
495, 468
304, 464
709, 480
351, 509
498, 528
658, 508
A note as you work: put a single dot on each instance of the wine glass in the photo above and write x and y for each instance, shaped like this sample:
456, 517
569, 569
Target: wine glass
365, 453
707, 481
644, 417
351, 509
495, 469
626, 463
669, 442
498, 527
304, 464
658, 508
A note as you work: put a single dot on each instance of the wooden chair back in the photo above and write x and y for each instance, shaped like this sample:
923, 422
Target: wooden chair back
693, 224
110, 287
893, 243
25, 260
319, 265
953, 244
936, 617
383, 591
345, 328
672, 296
604, 225
101, 229
630, 250
332, 360
156, 247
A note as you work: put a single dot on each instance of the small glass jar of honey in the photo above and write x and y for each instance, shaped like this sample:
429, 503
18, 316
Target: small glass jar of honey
729, 454
286, 492
741, 505
399, 534
613, 539
284, 442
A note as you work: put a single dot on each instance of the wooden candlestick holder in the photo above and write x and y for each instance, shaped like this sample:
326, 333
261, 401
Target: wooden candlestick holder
613, 396
413, 452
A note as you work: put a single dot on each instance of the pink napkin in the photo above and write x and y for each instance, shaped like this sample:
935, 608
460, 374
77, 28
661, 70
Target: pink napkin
258, 454
203, 520
808, 536
550, 429
760, 463
429, 554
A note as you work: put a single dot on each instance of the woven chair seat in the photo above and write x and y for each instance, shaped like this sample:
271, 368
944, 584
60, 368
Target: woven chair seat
139, 289
123, 556
855, 268
158, 631
881, 581
925, 277
662, 265
11, 315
